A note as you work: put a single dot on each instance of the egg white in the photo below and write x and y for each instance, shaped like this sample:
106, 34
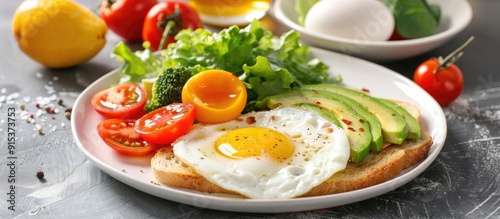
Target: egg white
321, 150
362, 20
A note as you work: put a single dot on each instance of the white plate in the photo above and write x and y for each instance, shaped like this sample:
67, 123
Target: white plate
456, 15
358, 73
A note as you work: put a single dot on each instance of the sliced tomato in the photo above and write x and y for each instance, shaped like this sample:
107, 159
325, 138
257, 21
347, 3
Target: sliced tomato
120, 135
166, 124
122, 101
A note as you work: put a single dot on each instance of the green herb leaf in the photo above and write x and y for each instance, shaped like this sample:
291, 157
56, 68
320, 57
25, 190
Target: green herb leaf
414, 18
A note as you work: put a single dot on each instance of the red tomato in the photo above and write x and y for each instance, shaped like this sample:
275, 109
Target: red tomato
120, 135
168, 18
445, 85
441, 78
396, 36
126, 17
122, 101
166, 124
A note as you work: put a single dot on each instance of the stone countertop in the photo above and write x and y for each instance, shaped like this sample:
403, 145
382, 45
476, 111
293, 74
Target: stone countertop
463, 182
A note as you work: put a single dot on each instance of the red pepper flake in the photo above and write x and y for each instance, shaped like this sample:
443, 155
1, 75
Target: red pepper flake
329, 130
53, 118
361, 129
315, 91
365, 90
317, 102
238, 119
31, 116
37, 105
273, 117
361, 120
251, 120
351, 128
347, 122
326, 125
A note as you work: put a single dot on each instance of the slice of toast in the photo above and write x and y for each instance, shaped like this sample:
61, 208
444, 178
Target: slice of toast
377, 167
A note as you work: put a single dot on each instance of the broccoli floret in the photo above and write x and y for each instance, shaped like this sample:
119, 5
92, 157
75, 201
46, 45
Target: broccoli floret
167, 88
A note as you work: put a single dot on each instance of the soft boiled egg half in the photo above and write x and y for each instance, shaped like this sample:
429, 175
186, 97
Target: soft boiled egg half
363, 20
276, 154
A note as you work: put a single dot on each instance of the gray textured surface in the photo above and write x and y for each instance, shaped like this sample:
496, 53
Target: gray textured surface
463, 182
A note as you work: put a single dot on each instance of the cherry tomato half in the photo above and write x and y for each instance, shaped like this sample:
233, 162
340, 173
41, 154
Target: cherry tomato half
120, 135
445, 85
122, 101
171, 15
126, 17
166, 124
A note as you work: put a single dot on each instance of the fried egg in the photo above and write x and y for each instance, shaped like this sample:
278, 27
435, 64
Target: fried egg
276, 154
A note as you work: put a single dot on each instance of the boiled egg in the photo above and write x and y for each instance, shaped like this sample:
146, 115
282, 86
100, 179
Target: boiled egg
362, 20
276, 154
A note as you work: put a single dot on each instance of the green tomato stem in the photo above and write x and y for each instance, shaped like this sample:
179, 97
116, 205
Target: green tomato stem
166, 33
172, 24
454, 56
110, 3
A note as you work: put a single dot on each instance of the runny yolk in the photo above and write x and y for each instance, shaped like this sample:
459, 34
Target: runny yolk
253, 141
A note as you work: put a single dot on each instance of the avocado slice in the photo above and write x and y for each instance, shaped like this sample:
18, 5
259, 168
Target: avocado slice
357, 131
394, 128
375, 127
411, 122
323, 113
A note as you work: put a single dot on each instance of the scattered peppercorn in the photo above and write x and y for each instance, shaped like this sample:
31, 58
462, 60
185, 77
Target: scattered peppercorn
60, 102
22, 106
68, 115
47, 108
40, 174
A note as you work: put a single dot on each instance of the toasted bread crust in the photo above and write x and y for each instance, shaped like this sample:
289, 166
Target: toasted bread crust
377, 167
171, 171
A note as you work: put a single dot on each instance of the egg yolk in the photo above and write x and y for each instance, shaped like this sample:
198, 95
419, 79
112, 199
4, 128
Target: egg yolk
218, 96
253, 141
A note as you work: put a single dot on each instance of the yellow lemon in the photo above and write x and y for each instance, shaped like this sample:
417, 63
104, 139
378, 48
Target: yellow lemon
58, 33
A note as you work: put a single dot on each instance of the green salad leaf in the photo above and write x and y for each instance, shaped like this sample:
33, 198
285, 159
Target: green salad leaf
267, 64
136, 65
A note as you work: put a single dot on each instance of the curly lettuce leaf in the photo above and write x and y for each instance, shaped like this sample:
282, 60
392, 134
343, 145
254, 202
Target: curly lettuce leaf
136, 65
268, 65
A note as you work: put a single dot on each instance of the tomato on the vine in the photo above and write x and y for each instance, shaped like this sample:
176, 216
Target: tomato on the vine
166, 124
122, 101
441, 78
166, 19
120, 135
126, 17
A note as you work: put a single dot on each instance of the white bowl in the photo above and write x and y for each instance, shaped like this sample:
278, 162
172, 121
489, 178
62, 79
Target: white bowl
456, 15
